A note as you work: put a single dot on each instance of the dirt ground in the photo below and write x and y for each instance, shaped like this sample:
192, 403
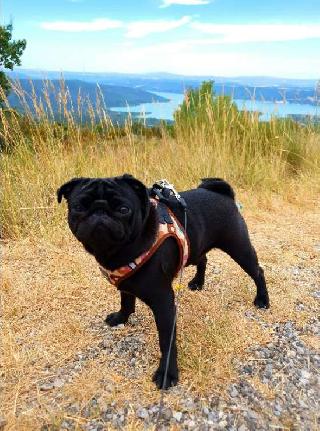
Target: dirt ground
57, 355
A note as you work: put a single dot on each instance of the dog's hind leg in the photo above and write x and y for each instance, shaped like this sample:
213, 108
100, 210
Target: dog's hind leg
242, 252
197, 282
128, 303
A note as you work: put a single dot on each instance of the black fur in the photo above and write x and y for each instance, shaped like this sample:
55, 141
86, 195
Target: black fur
217, 185
115, 239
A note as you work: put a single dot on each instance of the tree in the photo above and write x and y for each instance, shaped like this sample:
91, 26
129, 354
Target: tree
201, 107
10, 53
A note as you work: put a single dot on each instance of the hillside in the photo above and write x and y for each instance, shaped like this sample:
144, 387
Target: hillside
112, 78
112, 95
245, 88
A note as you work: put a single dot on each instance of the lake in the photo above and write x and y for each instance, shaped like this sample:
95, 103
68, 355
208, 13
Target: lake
165, 110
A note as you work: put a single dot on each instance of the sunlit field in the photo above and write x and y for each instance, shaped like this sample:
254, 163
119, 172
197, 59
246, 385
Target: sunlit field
53, 297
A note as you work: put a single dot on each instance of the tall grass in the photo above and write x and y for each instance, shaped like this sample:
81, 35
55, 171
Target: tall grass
40, 152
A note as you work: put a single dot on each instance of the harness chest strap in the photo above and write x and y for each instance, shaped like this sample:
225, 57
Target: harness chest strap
165, 230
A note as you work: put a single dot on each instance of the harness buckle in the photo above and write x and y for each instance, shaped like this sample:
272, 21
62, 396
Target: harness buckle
165, 190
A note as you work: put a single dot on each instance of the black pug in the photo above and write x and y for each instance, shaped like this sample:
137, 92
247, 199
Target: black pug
115, 221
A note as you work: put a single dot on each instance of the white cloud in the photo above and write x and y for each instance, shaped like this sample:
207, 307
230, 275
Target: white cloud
140, 29
243, 33
79, 26
167, 3
135, 29
187, 59
182, 56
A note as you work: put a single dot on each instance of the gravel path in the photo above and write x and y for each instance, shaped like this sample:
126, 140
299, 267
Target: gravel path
68, 371
286, 369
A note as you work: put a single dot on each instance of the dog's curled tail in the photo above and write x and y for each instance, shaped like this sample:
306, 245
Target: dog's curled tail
217, 185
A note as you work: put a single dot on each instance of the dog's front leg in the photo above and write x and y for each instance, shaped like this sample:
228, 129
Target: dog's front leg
164, 313
128, 303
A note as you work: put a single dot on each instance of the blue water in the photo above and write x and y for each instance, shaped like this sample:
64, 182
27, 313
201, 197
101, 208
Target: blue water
165, 110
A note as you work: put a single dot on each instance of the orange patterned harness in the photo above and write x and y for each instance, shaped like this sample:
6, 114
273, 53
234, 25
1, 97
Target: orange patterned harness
165, 230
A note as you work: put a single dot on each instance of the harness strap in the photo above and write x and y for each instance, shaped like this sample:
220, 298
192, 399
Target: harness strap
169, 225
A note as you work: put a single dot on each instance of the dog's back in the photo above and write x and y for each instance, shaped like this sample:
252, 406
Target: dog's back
217, 185
212, 216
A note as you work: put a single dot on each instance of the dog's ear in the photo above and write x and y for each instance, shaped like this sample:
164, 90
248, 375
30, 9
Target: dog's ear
66, 188
141, 190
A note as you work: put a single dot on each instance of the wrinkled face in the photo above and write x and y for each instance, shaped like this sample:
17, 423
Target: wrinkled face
105, 213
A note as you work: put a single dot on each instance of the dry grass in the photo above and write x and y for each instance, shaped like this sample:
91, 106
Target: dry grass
53, 298
279, 156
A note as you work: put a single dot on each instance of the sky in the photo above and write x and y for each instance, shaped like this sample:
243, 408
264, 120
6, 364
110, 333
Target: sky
190, 37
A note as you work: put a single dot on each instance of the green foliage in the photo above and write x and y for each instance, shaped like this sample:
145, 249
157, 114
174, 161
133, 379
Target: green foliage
10, 53
201, 107
216, 121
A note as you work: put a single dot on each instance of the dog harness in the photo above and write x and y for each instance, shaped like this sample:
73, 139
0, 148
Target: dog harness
169, 225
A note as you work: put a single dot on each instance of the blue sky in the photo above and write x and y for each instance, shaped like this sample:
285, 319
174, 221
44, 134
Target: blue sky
190, 37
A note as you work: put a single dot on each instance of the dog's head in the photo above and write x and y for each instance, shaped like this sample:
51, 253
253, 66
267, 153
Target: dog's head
105, 214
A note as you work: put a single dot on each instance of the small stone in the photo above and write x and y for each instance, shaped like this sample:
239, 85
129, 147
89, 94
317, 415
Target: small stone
242, 428
300, 350
305, 374
121, 326
66, 425
167, 414
177, 416
142, 413
303, 404
213, 417
221, 415
58, 383
287, 326
277, 409
74, 408
234, 393
46, 387
205, 410
252, 415
189, 404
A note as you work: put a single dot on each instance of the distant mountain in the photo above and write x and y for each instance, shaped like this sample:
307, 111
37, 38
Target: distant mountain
134, 79
113, 95
132, 89
305, 119
302, 95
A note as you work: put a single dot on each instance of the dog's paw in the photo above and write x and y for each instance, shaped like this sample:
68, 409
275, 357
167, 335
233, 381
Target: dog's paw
195, 284
261, 302
171, 379
116, 318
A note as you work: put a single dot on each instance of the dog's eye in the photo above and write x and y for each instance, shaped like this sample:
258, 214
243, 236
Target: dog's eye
123, 209
77, 207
